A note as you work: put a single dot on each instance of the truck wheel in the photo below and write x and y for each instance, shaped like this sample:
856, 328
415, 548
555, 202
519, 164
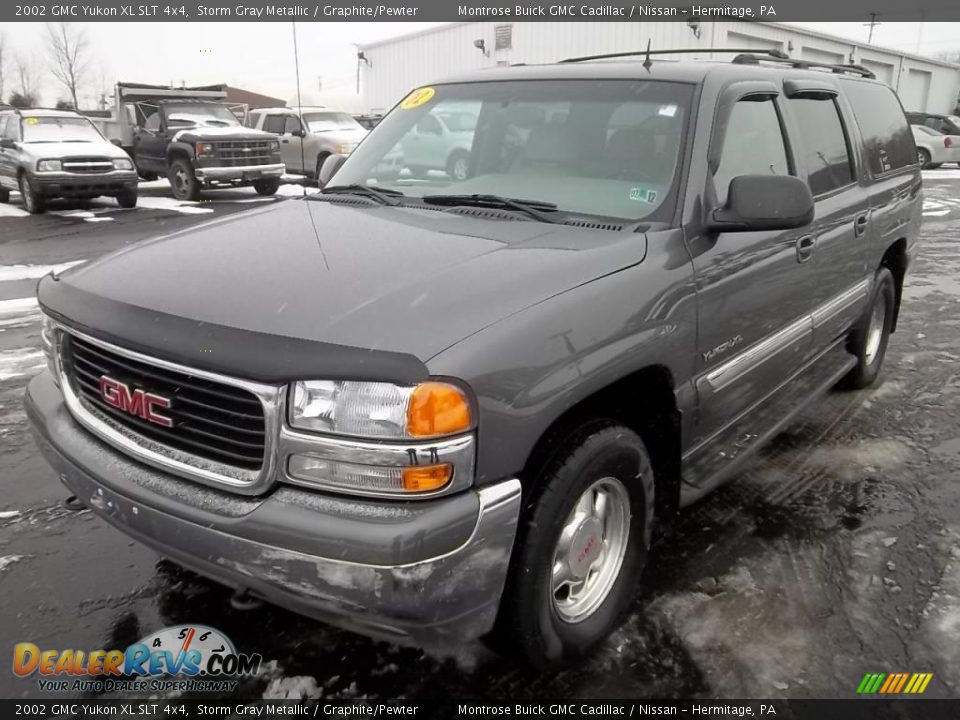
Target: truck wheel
4, 195
581, 547
127, 199
458, 166
923, 157
321, 158
182, 180
868, 340
33, 202
267, 187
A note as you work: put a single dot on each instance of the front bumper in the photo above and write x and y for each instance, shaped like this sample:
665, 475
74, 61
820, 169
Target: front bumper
63, 184
242, 173
427, 573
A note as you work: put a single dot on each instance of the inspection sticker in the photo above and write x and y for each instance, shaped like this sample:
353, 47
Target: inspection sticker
417, 98
31, 121
643, 195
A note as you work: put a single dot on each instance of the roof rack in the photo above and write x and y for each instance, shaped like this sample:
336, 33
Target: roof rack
752, 58
776, 54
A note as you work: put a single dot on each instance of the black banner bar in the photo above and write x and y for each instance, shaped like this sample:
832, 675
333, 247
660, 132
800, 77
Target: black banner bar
464, 10
859, 709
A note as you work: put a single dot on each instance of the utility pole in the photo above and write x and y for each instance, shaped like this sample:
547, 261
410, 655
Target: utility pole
872, 24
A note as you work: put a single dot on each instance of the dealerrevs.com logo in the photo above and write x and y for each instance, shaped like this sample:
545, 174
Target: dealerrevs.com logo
188, 658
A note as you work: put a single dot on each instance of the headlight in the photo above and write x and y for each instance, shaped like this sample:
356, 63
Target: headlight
204, 148
380, 410
48, 339
49, 166
122, 164
345, 148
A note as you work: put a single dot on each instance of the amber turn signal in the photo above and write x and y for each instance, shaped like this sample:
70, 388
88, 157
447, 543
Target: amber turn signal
428, 477
437, 408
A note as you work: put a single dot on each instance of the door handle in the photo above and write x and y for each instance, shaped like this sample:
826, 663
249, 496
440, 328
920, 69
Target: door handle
285, 141
860, 225
805, 248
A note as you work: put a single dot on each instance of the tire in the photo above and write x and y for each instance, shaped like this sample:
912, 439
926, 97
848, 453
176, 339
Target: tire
267, 187
552, 622
868, 340
320, 160
128, 199
33, 202
458, 165
183, 182
4, 196
923, 157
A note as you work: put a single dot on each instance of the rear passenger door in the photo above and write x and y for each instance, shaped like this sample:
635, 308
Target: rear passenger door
825, 157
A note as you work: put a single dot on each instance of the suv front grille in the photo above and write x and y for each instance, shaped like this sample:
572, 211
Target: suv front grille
211, 420
87, 164
237, 153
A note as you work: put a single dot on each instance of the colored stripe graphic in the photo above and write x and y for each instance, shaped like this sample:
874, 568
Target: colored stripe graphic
894, 683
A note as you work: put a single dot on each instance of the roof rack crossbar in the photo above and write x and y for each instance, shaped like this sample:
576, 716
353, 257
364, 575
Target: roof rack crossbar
752, 58
675, 51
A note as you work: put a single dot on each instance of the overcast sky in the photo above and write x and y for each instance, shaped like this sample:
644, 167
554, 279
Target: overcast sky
259, 56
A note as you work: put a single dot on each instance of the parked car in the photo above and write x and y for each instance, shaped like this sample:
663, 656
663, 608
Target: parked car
440, 141
934, 148
946, 124
464, 406
46, 154
308, 136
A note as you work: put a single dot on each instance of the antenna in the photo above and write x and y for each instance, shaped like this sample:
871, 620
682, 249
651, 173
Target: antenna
296, 64
647, 64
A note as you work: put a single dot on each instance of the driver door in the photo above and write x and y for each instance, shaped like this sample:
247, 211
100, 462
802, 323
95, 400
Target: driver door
292, 151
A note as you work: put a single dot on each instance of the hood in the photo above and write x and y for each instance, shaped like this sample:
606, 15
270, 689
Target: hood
60, 150
231, 132
403, 281
351, 135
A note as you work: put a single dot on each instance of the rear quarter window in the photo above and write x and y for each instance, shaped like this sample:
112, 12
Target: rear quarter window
886, 135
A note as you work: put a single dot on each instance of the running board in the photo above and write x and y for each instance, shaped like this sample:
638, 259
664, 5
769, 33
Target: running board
739, 441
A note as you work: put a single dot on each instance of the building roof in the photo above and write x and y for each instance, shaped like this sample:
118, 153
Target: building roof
252, 99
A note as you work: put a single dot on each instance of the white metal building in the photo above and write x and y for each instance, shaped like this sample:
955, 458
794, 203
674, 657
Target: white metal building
391, 68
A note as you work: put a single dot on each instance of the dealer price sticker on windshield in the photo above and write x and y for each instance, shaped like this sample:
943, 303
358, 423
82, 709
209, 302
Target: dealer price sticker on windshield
417, 98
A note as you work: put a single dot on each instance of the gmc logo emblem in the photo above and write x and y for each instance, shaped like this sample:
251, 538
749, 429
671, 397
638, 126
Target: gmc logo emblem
136, 402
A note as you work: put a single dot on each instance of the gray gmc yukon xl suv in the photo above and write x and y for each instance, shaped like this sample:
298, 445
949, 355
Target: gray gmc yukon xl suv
430, 409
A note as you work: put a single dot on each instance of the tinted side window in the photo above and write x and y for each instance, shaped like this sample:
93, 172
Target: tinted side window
824, 144
291, 124
274, 124
886, 135
753, 145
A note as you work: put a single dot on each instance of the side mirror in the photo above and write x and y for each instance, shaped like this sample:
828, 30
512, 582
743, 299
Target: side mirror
117, 141
298, 133
329, 168
8, 144
764, 202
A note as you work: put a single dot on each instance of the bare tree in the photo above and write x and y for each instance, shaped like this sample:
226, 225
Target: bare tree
25, 77
69, 56
3, 64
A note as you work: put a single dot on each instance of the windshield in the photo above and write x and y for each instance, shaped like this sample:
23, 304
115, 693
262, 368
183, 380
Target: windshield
326, 121
609, 148
59, 129
208, 115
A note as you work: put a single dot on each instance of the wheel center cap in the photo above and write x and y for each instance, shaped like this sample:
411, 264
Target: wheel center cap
585, 547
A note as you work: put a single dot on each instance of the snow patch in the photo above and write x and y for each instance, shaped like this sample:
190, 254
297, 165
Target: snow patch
164, 203
9, 273
20, 362
18, 305
7, 514
8, 560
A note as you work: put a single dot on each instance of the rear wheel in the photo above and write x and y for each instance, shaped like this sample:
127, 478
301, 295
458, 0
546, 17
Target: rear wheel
923, 157
33, 202
183, 182
581, 546
267, 187
458, 166
868, 340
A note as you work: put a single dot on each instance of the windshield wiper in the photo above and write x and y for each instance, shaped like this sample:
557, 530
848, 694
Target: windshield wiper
385, 196
537, 209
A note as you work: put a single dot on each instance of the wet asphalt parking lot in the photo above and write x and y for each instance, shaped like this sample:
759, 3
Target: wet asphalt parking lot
835, 554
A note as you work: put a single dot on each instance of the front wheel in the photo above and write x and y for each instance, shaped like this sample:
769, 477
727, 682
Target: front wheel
458, 166
868, 340
923, 157
581, 547
183, 182
127, 199
33, 202
266, 187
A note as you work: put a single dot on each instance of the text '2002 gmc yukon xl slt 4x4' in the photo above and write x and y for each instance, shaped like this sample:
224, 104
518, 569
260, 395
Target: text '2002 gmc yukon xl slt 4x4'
431, 408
